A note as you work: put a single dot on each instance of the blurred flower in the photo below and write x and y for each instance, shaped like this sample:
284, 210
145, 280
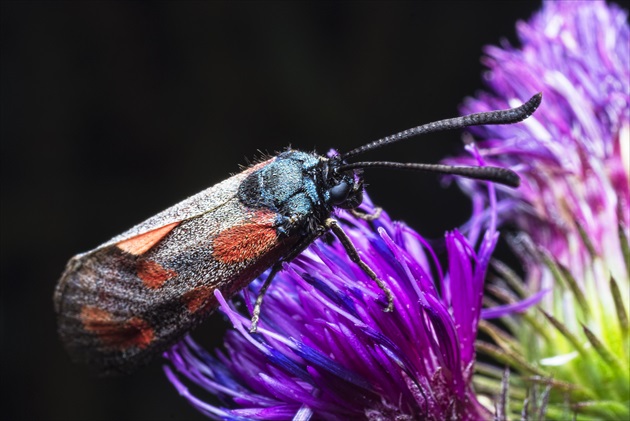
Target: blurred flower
572, 211
325, 348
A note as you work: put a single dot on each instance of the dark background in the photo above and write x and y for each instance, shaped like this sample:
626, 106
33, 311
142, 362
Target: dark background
113, 111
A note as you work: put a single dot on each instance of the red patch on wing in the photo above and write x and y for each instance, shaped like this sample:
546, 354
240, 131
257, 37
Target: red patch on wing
116, 334
142, 243
244, 242
199, 299
153, 274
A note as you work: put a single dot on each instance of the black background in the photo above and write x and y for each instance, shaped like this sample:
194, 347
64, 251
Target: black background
113, 111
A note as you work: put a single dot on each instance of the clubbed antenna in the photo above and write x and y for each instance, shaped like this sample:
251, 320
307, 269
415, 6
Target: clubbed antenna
510, 116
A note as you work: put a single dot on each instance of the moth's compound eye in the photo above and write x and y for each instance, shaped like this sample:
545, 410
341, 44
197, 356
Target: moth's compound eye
340, 192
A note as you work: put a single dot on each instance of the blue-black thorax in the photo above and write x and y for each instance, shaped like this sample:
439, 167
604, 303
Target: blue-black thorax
302, 188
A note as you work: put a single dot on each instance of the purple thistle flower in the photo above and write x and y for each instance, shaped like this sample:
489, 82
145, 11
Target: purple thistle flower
325, 348
573, 154
572, 210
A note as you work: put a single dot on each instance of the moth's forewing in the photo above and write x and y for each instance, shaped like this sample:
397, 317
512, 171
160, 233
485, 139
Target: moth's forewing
129, 299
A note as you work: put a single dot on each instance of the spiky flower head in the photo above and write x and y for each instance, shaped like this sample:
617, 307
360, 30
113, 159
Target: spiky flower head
572, 211
325, 348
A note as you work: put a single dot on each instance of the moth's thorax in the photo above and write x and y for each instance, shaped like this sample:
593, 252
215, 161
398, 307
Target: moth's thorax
302, 188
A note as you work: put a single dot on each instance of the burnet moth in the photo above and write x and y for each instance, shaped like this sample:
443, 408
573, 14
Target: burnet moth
129, 299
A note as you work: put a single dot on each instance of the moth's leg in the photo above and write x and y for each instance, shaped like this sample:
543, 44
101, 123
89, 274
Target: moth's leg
354, 256
367, 216
301, 246
256, 313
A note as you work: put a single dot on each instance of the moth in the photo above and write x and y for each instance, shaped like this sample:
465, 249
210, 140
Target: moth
132, 297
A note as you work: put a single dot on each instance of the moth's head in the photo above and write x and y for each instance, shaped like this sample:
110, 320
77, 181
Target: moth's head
343, 188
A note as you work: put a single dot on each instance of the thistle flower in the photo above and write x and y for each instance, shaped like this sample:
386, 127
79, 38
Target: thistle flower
572, 210
325, 348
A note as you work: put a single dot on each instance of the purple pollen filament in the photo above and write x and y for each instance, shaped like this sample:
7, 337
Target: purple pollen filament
518, 307
325, 348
